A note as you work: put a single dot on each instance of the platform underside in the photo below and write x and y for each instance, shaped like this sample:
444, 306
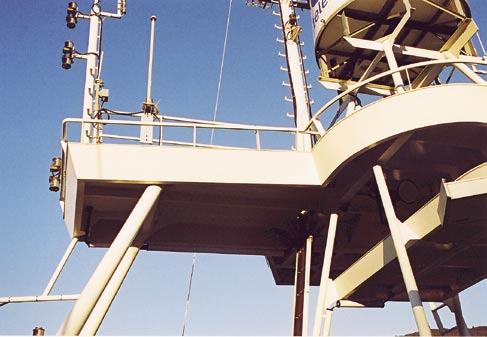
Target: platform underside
429, 28
252, 202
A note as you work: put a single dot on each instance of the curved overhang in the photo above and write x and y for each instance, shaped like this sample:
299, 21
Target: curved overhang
395, 115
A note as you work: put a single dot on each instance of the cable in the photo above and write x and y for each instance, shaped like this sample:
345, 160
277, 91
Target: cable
217, 101
186, 310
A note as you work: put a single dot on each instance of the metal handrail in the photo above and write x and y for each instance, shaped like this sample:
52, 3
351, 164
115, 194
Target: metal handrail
257, 129
359, 85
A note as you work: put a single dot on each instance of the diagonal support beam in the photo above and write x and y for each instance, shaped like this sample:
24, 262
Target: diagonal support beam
402, 256
103, 273
105, 301
60, 267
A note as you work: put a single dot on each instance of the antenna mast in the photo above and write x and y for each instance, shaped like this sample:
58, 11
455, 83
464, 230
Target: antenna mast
148, 107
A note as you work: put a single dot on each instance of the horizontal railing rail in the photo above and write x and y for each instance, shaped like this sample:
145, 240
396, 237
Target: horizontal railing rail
356, 87
193, 125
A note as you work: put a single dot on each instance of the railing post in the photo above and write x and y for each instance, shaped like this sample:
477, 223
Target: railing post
257, 139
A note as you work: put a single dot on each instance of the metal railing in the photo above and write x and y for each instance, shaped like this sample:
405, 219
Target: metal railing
194, 126
168, 122
356, 88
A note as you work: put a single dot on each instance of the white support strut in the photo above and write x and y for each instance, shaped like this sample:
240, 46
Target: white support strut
325, 275
60, 267
101, 308
402, 256
103, 273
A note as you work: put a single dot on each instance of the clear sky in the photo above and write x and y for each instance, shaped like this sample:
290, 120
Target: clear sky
233, 295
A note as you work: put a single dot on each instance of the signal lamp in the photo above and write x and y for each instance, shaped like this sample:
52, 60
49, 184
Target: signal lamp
67, 61
123, 6
68, 47
72, 8
56, 164
54, 183
71, 21
71, 11
67, 58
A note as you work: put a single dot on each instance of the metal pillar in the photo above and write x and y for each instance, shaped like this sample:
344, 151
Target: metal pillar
92, 61
402, 256
327, 322
146, 131
298, 293
301, 289
325, 275
101, 308
296, 71
60, 267
437, 318
103, 273
455, 306
307, 274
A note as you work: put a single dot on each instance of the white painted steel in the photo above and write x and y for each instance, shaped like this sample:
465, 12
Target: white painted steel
91, 73
151, 58
356, 87
423, 222
402, 256
325, 275
104, 302
322, 11
307, 274
395, 115
297, 77
103, 273
39, 298
391, 60
60, 267
327, 323
146, 131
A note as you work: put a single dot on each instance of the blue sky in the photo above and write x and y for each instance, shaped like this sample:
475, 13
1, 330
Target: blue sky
233, 295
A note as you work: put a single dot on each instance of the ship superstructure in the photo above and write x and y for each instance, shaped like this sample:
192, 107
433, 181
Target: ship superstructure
387, 202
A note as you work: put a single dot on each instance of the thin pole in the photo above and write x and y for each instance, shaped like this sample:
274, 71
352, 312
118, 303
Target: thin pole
41, 298
146, 131
307, 274
402, 256
60, 267
101, 308
151, 59
103, 273
325, 275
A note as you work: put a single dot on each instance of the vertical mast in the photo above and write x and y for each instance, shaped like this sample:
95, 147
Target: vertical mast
92, 59
148, 107
296, 73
